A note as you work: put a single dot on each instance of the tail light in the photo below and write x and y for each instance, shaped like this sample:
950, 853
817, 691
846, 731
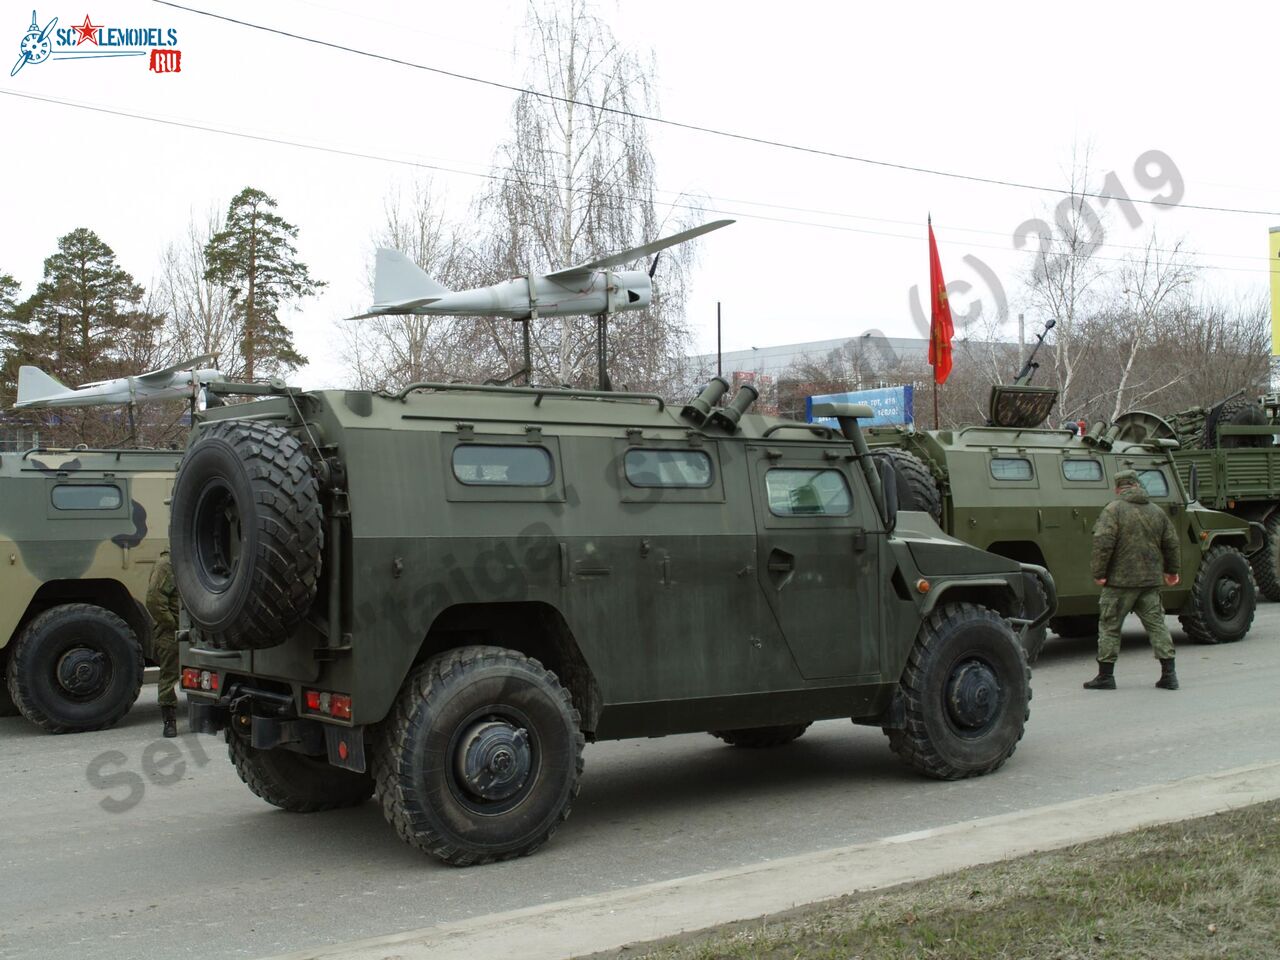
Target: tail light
205, 681
336, 705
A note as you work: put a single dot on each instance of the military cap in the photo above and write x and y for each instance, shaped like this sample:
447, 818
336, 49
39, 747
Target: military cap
1126, 478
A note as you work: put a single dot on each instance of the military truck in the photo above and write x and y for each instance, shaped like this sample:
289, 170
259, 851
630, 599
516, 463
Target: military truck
1231, 446
438, 595
80, 531
1033, 494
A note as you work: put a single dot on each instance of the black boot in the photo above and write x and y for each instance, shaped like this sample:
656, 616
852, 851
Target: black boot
1168, 676
1105, 680
169, 714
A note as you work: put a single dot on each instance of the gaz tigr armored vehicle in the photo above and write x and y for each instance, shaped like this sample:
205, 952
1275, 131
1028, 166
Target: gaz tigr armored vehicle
80, 531
1033, 494
439, 595
1232, 446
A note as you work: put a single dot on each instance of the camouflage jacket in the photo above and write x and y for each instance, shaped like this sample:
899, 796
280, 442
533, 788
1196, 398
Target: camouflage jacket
1134, 542
162, 596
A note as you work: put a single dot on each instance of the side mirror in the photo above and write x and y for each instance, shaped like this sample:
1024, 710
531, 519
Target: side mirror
889, 490
1193, 483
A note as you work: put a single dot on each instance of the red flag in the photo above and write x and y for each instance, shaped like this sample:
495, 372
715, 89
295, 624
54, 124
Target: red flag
941, 329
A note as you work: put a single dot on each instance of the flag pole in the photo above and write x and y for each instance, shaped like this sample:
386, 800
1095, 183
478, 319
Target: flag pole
933, 370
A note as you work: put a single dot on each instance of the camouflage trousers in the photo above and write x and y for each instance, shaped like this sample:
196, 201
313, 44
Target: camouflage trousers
1115, 604
165, 648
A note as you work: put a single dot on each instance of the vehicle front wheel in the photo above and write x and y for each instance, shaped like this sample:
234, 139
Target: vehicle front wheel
296, 782
967, 689
481, 756
1266, 561
1223, 598
761, 737
75, 667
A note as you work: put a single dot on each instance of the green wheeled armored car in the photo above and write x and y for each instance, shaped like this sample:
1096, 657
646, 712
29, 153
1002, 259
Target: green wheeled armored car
1033, 494
80, 531
439, 595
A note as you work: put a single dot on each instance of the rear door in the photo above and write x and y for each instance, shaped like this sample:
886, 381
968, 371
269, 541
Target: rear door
818, 562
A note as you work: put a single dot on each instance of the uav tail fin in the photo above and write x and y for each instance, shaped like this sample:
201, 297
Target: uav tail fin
35, 385
399, 282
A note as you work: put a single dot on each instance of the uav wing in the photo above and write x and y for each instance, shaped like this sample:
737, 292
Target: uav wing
571, 274
153, 378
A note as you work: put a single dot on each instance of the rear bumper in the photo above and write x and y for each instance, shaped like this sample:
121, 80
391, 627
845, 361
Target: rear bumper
268, 721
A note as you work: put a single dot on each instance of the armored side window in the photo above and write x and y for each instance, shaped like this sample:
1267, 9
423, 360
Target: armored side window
476, 464
1011, 468
1081, 470
82, 496
667, 468
1154, 482
808, 493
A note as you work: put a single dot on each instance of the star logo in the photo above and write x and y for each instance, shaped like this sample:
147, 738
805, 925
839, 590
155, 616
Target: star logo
88, 31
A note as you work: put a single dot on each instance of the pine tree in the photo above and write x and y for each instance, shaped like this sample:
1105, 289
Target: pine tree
253, 256
12, 338
84, 309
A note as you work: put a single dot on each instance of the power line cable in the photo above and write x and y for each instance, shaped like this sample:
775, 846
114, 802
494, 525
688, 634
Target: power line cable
418, 164
699, 128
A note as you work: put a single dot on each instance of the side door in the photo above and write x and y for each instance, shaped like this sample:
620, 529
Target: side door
818, 562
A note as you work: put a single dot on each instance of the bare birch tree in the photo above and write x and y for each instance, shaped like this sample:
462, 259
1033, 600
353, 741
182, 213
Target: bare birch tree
200, 317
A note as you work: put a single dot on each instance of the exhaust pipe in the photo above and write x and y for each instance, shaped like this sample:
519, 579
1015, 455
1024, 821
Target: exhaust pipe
699, 408
727, 417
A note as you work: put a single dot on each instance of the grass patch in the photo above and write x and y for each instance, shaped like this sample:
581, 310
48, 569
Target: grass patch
1197, 889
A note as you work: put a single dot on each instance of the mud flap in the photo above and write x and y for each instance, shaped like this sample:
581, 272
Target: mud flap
346, 747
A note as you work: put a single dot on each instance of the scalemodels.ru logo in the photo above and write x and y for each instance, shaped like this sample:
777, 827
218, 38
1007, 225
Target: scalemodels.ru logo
92, 41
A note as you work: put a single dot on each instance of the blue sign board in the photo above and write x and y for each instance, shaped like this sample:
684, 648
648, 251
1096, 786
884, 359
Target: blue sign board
892, 405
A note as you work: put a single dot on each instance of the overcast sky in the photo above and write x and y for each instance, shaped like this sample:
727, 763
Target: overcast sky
823, 247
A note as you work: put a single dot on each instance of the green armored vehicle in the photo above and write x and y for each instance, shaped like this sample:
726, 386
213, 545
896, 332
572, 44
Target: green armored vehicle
80, 531
1232, 446
1033, 494
439, 595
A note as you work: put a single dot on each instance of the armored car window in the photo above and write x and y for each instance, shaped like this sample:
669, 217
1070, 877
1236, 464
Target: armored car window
1154, 483
509, 466
808, 493
667, 468
82, 496
1011, 468
1082, 469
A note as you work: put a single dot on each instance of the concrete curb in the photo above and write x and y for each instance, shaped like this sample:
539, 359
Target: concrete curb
607, 921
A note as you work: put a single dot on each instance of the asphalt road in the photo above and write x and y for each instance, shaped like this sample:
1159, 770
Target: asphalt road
198, 867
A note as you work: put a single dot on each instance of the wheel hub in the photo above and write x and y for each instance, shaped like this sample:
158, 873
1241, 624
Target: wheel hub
1226, 596
493, 759
82, 672
973, 695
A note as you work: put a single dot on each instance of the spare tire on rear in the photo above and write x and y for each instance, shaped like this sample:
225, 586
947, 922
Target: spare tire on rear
246, 534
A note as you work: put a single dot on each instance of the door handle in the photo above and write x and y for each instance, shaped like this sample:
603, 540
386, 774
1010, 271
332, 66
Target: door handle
781, 565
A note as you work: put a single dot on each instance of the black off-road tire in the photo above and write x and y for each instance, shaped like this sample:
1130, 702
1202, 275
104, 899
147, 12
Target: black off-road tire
761, 737
967, 689
1236, 412
246, 534
7, 707
74, 668
1223, 598
1266, 561
296, 782
433, 740
917, 490
1075, 625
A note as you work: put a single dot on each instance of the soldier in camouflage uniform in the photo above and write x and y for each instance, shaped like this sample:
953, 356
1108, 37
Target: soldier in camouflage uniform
1135, 549
162, 604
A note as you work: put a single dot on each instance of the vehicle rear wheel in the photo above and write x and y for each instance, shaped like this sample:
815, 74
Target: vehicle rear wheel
967, 690
481, 756
296, 782
7, 707
246, 534
1266, 561
917, 490
1223, 598
75, 667
760, 737
1076, 625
